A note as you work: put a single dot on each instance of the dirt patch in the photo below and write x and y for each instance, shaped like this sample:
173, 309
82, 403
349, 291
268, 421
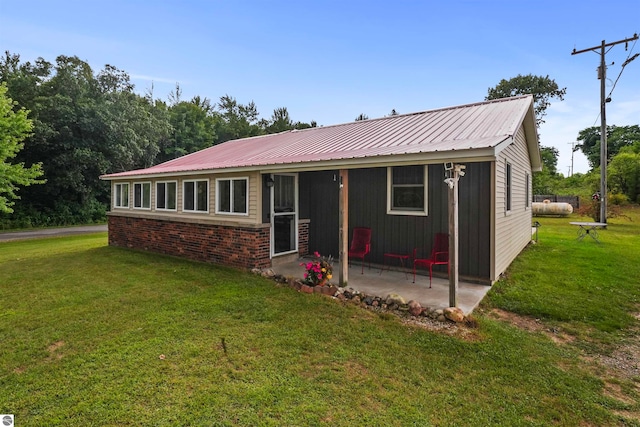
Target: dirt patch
624, 361
628, 414
465, 331
54, 350
532, 324
615, 391
55, 346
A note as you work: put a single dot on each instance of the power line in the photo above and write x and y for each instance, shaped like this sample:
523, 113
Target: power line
624, 64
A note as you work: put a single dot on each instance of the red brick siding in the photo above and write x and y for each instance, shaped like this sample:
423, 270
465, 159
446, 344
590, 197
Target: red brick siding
244, 247
303, 238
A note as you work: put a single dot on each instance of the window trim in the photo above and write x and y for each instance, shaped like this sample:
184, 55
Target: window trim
166, 198
195, 196
527, 191
118, 191
425, 183
508, 187
217, 201
141, 207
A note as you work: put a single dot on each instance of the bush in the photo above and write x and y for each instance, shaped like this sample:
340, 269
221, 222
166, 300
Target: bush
62, 214
618, 199
591, 208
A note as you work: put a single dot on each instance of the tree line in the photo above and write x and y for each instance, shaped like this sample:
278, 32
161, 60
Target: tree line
85, 124
81, 124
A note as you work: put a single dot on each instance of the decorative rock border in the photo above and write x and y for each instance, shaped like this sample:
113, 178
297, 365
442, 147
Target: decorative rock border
392, 302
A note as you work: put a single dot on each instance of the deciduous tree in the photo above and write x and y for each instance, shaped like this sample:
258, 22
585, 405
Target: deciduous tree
14, 128
545, 181
544, 89
624, 172
193, 128
617, 138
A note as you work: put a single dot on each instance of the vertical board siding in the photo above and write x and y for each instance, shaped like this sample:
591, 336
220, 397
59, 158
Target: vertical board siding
401, 233
318, 201
513, 228
474, 220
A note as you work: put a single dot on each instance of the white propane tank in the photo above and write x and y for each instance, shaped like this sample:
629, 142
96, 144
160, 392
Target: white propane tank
548, 208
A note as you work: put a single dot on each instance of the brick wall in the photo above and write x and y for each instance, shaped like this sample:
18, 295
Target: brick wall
303, 237
244, 247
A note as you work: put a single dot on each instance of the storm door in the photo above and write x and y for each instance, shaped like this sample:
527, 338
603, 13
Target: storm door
284, 214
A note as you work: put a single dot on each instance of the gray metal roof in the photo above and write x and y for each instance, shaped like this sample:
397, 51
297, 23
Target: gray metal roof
471, 128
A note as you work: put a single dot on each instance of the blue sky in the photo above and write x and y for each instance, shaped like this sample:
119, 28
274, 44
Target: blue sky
329, 61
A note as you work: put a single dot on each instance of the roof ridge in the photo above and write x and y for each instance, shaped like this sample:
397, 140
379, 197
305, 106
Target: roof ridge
415, 113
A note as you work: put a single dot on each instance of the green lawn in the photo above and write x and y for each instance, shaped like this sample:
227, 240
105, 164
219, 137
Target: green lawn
94, 335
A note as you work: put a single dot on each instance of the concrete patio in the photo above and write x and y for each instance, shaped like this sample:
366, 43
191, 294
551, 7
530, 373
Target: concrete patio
395, 281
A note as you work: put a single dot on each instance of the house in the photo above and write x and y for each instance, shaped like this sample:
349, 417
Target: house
256, 201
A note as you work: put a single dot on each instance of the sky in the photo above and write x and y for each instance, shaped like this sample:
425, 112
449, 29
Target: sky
330, 61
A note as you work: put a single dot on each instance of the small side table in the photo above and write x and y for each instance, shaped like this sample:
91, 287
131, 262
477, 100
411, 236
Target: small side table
401, 257
589, 229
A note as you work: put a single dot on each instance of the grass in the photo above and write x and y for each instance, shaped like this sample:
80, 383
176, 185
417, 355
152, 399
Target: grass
591, 289
95, 335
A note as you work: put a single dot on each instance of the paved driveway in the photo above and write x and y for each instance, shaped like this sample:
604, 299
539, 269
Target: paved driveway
51, 232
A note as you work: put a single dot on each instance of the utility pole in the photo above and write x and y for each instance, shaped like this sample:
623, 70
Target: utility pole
573, 150
602, 75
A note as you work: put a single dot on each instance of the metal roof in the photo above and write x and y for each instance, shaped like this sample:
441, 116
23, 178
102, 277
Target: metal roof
471, 127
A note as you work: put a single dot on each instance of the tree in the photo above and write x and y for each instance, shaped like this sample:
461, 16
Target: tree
361, 117
545, 181
543, 89
14, 128
624, 172
238, 120
84, 125
280, 121
193, 128
303, 125
618, 137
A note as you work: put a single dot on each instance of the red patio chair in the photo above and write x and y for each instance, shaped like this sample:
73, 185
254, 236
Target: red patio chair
439, 256
360, 244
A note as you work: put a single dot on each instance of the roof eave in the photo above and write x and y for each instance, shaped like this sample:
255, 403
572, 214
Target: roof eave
468, 155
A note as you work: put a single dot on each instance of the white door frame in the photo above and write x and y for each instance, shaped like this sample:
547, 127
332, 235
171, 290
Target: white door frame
274, 214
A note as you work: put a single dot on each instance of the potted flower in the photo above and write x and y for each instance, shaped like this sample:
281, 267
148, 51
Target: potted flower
317, 272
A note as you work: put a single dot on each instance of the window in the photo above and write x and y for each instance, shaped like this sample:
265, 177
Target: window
121, 195
142, 195
166, 195
195, 196
232, 196
407, 190
527, 183
508, 188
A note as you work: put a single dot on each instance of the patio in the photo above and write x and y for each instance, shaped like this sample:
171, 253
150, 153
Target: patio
394, 281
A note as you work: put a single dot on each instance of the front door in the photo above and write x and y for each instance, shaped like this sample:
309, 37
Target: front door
284, 214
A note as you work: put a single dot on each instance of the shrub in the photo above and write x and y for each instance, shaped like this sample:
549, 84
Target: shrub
592, 209
618, 199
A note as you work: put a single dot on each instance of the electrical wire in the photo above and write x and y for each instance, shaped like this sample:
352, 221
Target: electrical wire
624, 64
